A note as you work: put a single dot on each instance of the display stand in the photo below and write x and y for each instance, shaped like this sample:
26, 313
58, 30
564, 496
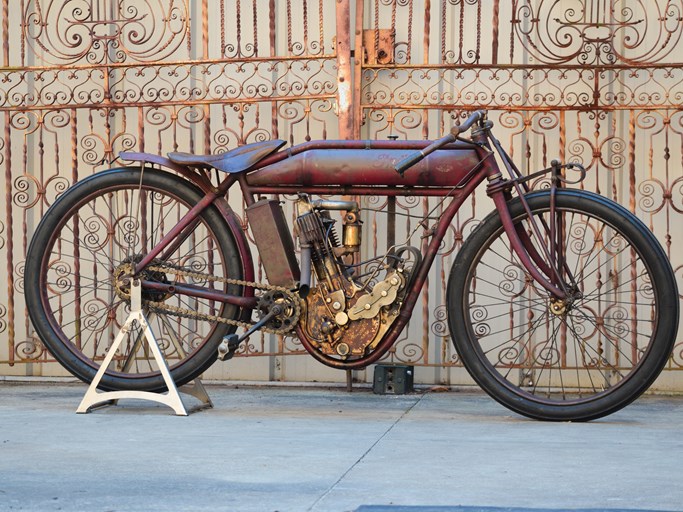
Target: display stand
94, 399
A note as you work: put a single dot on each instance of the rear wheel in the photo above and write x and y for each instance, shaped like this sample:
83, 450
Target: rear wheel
84, 246
577, 359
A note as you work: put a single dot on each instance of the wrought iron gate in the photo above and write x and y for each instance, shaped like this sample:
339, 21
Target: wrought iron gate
596, 81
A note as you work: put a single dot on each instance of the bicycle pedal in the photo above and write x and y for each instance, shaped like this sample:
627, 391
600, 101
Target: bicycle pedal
228, 346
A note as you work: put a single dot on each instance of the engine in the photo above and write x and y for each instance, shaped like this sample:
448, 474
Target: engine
345, 316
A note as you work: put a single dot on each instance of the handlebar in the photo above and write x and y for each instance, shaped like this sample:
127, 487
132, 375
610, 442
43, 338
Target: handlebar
411, 160
469, 122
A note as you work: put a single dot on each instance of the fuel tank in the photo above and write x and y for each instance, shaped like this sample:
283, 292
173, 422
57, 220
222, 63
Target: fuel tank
368, 163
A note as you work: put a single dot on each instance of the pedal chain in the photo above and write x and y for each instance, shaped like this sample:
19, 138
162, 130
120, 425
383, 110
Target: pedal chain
167, 268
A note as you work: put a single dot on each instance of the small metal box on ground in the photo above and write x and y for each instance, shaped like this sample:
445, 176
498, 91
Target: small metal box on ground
393, 379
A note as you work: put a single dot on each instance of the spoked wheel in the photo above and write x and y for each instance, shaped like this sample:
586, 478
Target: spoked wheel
77, 284
579, 358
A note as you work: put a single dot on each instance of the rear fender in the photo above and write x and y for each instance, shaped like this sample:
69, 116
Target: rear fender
202, 181
237, 231
199, 178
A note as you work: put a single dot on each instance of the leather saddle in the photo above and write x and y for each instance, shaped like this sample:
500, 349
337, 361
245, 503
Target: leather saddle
236, 160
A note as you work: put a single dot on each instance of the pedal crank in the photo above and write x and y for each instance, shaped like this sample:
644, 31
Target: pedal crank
228, 346
230, 342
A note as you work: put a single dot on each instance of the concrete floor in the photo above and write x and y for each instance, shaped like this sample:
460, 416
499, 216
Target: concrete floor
301, 449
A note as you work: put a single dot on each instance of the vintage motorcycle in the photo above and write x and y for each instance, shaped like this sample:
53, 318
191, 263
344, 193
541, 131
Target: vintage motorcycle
561, 304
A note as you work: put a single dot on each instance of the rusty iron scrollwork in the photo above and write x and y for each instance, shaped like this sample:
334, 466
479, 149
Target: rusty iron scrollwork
597, 82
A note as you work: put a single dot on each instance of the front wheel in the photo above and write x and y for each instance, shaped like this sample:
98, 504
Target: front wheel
577, 359
76, 290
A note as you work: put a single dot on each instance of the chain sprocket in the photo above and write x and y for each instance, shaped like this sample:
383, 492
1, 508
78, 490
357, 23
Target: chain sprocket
281, 325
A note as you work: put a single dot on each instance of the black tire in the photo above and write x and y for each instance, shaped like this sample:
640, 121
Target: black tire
90, 231
599, 354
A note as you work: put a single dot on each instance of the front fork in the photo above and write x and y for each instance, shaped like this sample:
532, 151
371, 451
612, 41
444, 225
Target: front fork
545, 260
540, 266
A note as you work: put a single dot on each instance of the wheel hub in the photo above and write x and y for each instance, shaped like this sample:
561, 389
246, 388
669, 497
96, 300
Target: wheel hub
123, 274
558, 307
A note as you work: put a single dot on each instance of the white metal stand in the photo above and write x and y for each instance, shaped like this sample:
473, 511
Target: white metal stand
94, 399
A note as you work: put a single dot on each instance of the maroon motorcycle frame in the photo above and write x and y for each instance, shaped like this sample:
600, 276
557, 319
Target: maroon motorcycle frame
386, 168
562, 305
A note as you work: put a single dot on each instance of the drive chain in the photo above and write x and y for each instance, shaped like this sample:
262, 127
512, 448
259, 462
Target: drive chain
161, 307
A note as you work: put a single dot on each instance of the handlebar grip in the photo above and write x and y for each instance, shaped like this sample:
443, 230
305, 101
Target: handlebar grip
411, 160
408, 162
